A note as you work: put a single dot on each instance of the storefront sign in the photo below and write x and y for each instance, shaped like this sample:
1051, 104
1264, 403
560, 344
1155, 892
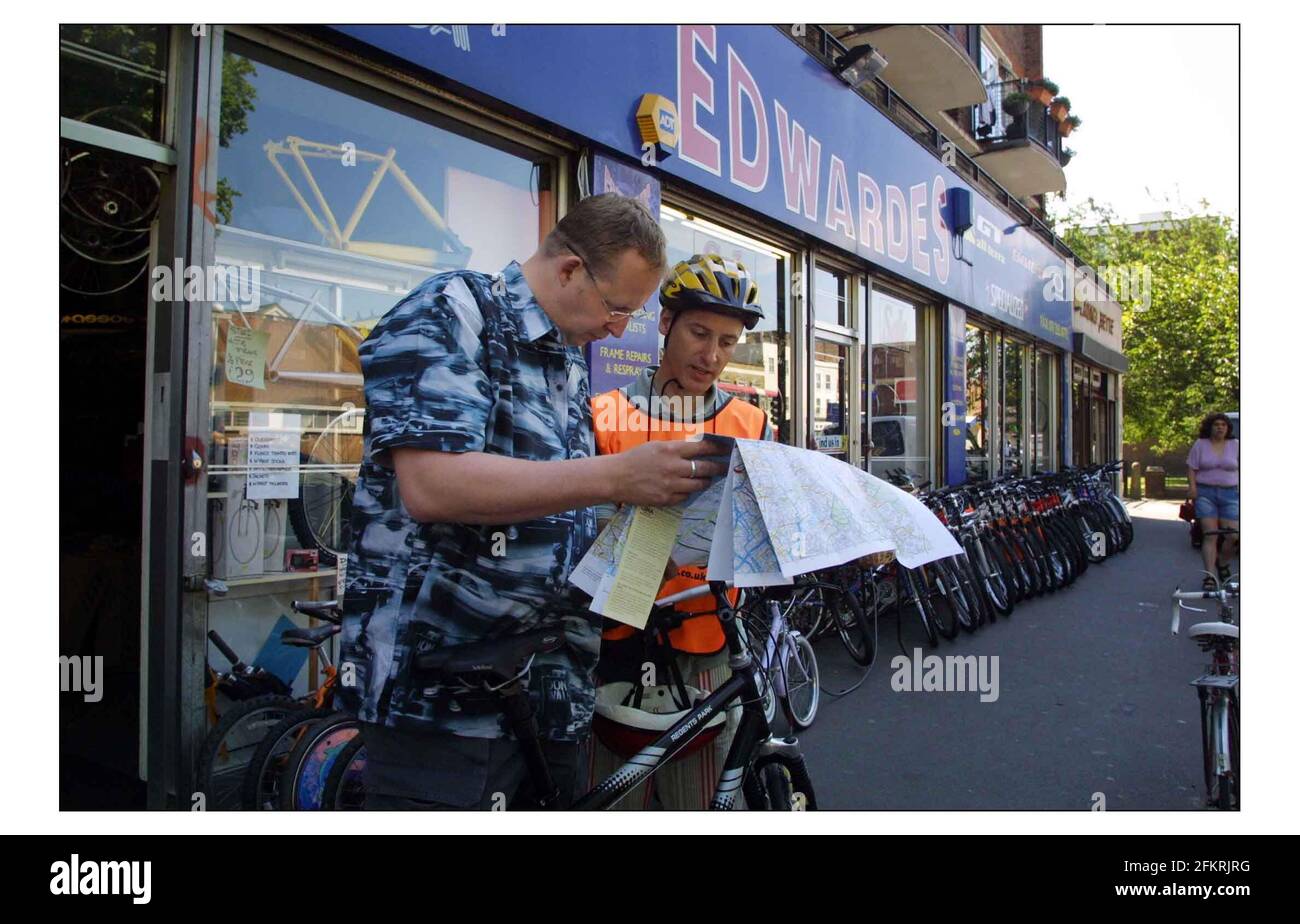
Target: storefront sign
954, 396
615, 361
1100, 321
762, 123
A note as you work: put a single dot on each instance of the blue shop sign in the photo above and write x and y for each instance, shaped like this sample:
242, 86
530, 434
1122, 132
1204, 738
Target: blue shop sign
761, 123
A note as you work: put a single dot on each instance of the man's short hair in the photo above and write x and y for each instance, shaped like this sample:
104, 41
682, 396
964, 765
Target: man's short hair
599, 228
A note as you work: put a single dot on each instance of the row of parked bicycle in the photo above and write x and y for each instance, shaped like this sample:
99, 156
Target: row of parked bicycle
1021, 537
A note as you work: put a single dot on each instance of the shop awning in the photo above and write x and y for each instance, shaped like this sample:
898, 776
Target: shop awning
1099, 353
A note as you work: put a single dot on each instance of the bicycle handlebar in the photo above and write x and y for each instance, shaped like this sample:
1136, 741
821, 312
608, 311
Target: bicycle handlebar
225, 649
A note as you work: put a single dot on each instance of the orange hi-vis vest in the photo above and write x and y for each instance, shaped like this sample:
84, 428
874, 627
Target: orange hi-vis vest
620, 425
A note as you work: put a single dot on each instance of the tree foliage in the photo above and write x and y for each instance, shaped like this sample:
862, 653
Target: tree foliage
1182, 336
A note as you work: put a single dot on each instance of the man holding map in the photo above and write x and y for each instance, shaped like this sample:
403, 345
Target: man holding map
475, 500
708, 302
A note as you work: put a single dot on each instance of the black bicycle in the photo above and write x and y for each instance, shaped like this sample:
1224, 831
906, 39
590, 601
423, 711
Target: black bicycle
769, 771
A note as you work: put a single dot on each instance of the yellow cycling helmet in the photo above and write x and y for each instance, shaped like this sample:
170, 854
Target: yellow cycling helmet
713, 283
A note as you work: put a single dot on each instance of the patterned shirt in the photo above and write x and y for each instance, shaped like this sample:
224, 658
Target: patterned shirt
467, 363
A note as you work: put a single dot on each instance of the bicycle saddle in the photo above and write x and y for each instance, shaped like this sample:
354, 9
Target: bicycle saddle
1225, 629
308, 638
321, 609
503, 656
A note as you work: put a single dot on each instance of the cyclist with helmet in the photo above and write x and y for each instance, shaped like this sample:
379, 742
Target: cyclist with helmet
708, 302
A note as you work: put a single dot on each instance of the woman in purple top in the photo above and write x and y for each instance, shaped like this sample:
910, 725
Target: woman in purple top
1212, 476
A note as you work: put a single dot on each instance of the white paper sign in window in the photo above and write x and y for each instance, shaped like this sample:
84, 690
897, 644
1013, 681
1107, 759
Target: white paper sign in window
273, 443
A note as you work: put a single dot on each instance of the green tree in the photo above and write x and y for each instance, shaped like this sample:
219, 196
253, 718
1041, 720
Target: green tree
238, 97
1181, 333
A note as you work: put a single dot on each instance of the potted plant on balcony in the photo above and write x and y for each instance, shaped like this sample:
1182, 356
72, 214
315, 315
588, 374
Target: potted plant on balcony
1015, 104
1042, 90
1070, 124
1060, 108
1066, 155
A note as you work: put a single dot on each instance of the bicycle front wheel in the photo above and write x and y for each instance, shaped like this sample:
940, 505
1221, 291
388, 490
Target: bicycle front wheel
802, 683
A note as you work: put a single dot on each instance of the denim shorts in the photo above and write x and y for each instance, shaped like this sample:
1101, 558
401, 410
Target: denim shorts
1216, 501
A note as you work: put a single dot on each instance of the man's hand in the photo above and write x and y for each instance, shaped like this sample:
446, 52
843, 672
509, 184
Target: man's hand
659, 473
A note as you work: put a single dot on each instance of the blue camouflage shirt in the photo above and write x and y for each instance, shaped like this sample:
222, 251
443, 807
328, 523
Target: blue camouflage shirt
467, 362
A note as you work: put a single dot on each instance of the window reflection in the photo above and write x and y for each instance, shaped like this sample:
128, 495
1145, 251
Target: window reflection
759, 371
341, 207
977, 403
898, 392
830, 396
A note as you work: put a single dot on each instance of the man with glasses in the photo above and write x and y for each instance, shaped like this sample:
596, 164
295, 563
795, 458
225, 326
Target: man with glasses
474, 503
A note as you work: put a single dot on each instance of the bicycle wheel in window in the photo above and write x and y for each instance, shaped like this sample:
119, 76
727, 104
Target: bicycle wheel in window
265, 770
228, 749
802, 683
345, 789
302, 785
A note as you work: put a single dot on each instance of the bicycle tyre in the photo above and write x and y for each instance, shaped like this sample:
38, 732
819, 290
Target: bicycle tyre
913, 599
803, 797
942, 606
966, 609
262, 782
229, 747
988, 569
801, 673
852, 625
303, 780
345, 789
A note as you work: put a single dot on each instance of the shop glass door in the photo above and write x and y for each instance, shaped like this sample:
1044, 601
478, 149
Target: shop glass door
1013, 356
899, 393
1044, 411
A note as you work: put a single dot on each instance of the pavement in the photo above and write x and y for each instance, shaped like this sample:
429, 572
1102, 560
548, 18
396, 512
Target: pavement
1094, 700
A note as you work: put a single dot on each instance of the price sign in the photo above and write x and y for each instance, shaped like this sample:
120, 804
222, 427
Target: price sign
246, 356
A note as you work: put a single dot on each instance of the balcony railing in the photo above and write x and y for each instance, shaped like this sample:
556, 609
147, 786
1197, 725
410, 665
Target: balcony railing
823, 46
991, 123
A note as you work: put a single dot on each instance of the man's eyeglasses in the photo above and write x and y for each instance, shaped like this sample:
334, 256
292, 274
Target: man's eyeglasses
618, 313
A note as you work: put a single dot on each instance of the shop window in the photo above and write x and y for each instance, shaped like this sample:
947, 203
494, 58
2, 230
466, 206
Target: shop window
1044, 407
114, 77
1013, 407
978, 403
899, 387
330, 208
760, 368
831, 297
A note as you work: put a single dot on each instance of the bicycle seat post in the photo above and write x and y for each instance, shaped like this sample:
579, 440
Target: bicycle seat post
523, 722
